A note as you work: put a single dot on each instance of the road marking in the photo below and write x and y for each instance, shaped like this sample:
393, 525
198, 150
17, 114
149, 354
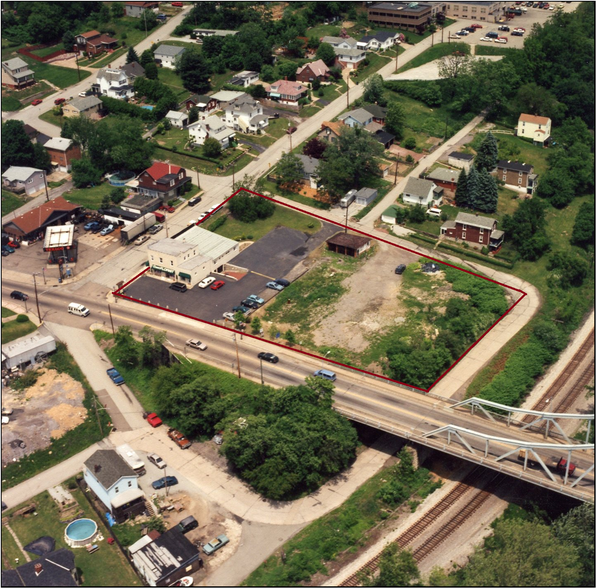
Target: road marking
262, 275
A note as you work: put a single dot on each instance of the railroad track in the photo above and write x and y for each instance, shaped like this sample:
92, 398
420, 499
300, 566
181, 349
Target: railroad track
420, 526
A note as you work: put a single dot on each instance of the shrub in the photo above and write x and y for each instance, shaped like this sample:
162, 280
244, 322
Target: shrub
410, 143
27, 380
22, 318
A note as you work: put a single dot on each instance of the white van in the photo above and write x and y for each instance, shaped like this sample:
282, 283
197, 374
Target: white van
78, 309
434, 212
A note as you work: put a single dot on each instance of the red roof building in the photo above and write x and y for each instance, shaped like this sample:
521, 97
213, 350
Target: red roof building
162, 180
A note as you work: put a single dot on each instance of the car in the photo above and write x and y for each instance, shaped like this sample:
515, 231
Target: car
476, 26
17, 295
98, 228
167, 207
109, 229
59, 100
520, 29
215, 544
268, 357
454, 36
196, 344
82, 94
501, 40
469, 29
155, 229
178, 438
194, 201
156, 460
154, 420
326, 374
462, 33
5, 253
5, 420
275, 286
91, 225
8, 248
292, 130
231, 316
36, 102
206, 282
115, 376
186, 525
487, 39
258, 300
6, 411
249, 303
504, 28
163, 482
240, 308
142, 239
179, 287
517, 34
400, 269
14, 244
202, 216
218, 284
283, 282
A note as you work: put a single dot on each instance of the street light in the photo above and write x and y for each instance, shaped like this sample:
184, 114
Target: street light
36, 297
290, 134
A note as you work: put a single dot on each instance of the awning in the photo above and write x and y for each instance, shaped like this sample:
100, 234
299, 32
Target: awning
183, 275
127, 496
274, 95
162, 269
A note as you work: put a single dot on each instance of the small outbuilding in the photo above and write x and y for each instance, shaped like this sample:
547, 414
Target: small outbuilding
348, 244
27, 349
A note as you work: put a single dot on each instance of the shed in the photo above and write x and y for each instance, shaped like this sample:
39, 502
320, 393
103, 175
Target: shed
365, 196
26, 349
348, 244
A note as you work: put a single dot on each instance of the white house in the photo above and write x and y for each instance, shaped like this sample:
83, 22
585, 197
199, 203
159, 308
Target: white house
177, 119
422, 192
212, 127
114, 83
533, 127
378, 41
349, 58
245, 78
245, 114
340, 42
168, 55
24, 179
357, 118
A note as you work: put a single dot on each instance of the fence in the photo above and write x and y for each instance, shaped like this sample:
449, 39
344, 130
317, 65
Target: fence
27, 51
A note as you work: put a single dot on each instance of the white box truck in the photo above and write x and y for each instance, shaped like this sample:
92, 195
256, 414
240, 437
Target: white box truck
131, 458
128, 233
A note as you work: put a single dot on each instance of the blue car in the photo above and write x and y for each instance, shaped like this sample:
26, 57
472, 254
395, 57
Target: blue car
258, 300
115, 376
275, 286
8, 248
165, 481
90, 226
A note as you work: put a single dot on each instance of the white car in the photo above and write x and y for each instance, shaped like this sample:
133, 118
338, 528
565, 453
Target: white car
454, 36
206, 282
500, 40
156, 460
82, 94
142, 240
487, 39
462, 33
196, 344
5, 420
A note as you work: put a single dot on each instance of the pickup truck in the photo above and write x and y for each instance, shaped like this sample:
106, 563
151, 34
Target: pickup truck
115, 376
179, 439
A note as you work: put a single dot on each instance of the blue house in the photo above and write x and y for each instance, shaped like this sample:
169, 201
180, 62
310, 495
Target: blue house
357, 118
115, 484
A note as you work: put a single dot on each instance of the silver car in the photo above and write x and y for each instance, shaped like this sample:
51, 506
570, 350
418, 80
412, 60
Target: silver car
156, 460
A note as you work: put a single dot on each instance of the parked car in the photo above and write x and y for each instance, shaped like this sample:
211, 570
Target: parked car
156, 460
98, 228
154, 420
275, 286
206, 282
36, 102
196, 344
5, 253
517, 34
454, 36
283, 282
179, 287
14, 244
6, 411
249, 303
155, 229
82, 94
167, 207
240, 308
258, 300
59, 100
487, 39
501, 40
202, 216
107, 230
218, 284
178, 438
400, 269
476, 26
215, 544
462, 33
469, 29
194, 201
231, 316
165, 481
8, 248
91, 225
142, 239
5, 420
268, 357
115, 376
504, 28
187, 524
17, 295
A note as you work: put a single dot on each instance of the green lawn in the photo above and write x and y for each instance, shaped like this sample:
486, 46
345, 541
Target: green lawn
12, 330
11, 201
59, 76
204, 167
174, 138
331, 91
89, 197
6, 312
274, 189
10, 104
105, 567
171, 78
52, 118
12, 100
436, 52
323, 31
376, 62
486, 50
47, 50
310, 110
10, 550
234, 229
518, 149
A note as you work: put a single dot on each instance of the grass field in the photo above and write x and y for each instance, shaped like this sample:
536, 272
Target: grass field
436, 52
12, 330
48, 50
10, 104
11, 202
52, 118
486, 50
59, 76
516, 148
6, 312
204, 167
376, 62
89, 197
282, 216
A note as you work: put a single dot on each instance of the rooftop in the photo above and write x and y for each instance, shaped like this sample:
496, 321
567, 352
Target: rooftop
476, 220
15, 63
83, 104
108, 467
462, 156
360, 114
169, 50
58, 143
444, 175
515, 166
19, 173
537, 120
56, 570
348, 240
418, 186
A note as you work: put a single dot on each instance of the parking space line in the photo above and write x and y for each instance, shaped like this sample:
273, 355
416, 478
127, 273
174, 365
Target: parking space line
262, 275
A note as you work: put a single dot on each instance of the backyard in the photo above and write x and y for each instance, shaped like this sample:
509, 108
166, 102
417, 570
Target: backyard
11, 202
205, 167
59, 76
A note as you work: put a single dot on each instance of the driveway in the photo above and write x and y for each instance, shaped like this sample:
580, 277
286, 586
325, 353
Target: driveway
259, 148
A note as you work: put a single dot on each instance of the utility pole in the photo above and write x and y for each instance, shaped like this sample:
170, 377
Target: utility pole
36, 298
237, 356
45, 183
290, 134
348, 86
396, 56
145, 16
198, 179
97, 414
396, 166
111, 320
233, 176
77, 62
346, 227
263, 381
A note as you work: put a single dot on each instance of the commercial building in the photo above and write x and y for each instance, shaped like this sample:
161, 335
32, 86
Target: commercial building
480, 11
61, 245
412, 16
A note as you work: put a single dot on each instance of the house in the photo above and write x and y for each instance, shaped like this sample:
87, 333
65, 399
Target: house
310, 167
191, 256
56, 568
114, 83
133, 70
200, 33
286, 92
35, 136
365, 196
461, 160
384, 137
245, 78
224, 96
533, 127
24, 179
330, 131
94, 42
422, 192
356, 118
162, 180
169, 557
246, 115
379, 113
177, 119
211, 127
62, 152
379, 41
205, 104
349, 58
479, 231
88, 106
115, 484
34, 222
445, 178
348, 244
315, 69
168, 55
482, 11
412, 16
82, 38
136, 9
340, 42
389, 215
16, 74
519, 175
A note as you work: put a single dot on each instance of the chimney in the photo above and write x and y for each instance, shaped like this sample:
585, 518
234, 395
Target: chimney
96, 468
38, 569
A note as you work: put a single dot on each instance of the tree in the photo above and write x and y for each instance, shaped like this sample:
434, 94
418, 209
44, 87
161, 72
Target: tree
132, 56
17, 149
533, 99
127, 148
290, 337
556, 187
103, 15
117, 10
84, 173
193, 115
315, 148
211, 148
583, 228
68, 40
288, 69
488, 153
473, 188
290, 169
395, 119
451, 66
396, 568
374, 90
194, 71
268, 73
461, 192
151, 71
316, 84
326, 52
248, 208
567, 270
147, 20
417, 214
516, 555
117, 195
488, 192
259, 91
41, 158
147, 57
256, 325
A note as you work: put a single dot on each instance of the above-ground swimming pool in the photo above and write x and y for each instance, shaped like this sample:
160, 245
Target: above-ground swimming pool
121, 178
80, 532
148, 107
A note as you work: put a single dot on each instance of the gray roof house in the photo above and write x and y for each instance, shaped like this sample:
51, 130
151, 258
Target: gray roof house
23, 179
422, 192
56, 568
365, 196
359, 117
340, 42
16, 73
168, 54
133, 70
311, 167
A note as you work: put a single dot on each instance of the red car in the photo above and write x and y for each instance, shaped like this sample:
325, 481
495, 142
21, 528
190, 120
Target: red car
217, 285
59, 100
36, 102
14, 244
476, 26
154, 420
168, 208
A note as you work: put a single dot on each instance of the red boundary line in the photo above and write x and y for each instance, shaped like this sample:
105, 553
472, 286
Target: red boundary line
321, 218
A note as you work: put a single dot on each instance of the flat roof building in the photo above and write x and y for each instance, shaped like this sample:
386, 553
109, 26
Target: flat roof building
412, 16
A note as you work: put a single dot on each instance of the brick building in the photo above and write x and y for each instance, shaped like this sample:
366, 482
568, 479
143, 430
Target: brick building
162, 180
62, 152
478, 231
520, 175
